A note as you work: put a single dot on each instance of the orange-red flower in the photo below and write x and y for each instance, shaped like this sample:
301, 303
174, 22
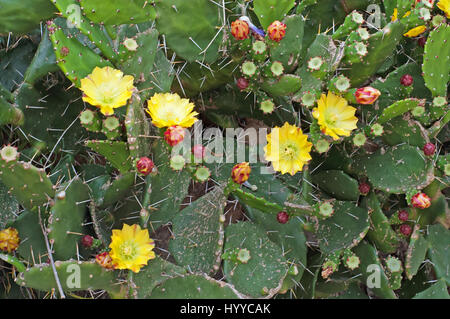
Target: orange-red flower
240, 30
367, 95
276, 31
104, 260
421, 200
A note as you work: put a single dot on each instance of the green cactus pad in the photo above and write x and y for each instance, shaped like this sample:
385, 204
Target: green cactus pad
338, 184
9, 207
44, 60
288, 50
436, 60
71, 10
198, 233
436, 291
29, 184
68, 59
380, 231
399, 130
118, 189
140, 63
66, 219
23, 16
32, 246
380, 47
264, 272
289, 237
405, 165
51, 115
371, 269
345, 229
438, 238
268, 11
398, 108
138, 129
115, 152
154, 274
285, 85
166, 190
115, 12
10, 114
194, 287
191, 41
416, 252
91, 276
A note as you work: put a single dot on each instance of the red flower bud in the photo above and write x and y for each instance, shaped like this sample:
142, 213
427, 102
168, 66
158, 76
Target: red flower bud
367, 95
406, 80
421, 200
241, 172
282, 217
242, 83
145, 165
240, 30
421, 41
429, 149
276, 31
174, 135
364, 188
403, 215
104, 260
405, 229
87, 241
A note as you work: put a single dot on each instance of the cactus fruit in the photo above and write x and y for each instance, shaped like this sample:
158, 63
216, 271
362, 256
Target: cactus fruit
405, 229
282, 217
429, 149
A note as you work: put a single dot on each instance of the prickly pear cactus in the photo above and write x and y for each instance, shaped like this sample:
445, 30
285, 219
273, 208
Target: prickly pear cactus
224, 149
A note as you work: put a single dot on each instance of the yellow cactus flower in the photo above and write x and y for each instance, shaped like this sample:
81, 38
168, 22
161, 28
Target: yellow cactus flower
288, 149
131, 248
107, 89
169, 109
414, 32
9, 239
395, 13
444, 5
335, 117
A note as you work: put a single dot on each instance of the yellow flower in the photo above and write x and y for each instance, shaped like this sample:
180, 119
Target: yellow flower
335, 117
131, 248
288, 149
444, 5
395, 13
167, 109
107, 89
415, 31
9, 239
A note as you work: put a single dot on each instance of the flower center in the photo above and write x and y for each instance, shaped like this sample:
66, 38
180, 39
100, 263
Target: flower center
331, 119
289, 151
128, 250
